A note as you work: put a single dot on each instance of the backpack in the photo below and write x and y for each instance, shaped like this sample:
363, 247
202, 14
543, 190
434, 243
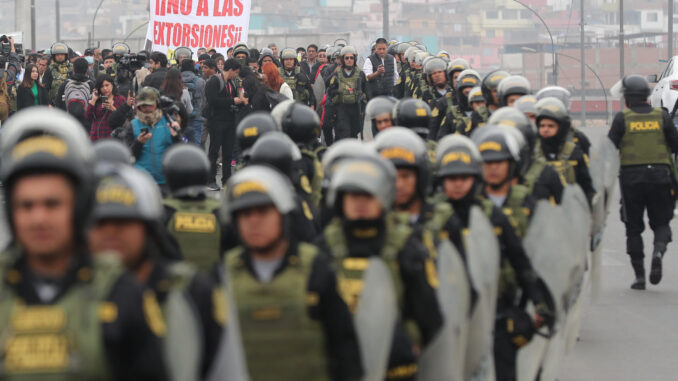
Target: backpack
190, 86
274, 98
76, 95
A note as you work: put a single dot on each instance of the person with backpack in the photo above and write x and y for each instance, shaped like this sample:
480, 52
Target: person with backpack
196, 89
105, 101
30, 92
74, 94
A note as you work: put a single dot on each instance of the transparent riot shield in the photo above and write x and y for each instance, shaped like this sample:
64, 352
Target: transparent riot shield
319, 90
443, 358
183, 344
229, 363
483, 258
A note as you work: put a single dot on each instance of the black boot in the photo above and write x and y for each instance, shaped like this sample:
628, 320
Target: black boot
656, 270
639, 269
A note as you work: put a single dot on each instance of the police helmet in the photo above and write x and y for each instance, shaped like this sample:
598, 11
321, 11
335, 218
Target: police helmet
183, 52
402, 47
410, 52
636, 86
344, 149
526, 104
498, 145
405, 149
513, 85
241, 48
433, 65
510, 116
125, 192
468, 78
559, 92
58, 48
254, 186
393, 49
349, 50
457, 64
276, 149
43, 140
554, 109
378, 106
414, 114
457, 155
372, 175
444, 55
252, 127
300, 123
419, 57
475, 95
186, 167
120, 49
112, 151
421, 47
491, 82
288, 53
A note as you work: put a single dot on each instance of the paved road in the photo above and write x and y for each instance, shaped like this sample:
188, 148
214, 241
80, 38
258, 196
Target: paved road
626, 334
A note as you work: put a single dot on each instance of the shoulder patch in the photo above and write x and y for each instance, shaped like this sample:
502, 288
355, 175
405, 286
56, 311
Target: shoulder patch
153, 314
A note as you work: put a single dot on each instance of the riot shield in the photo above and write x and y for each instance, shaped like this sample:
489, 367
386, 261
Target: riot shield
610, 156
482, 253
549, 244
443, 358
319, 90
577, 212
367, 135
375, 319
229, 363
183, 344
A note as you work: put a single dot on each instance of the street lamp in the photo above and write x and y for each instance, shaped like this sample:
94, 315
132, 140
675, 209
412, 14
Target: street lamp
93, 19
553, 45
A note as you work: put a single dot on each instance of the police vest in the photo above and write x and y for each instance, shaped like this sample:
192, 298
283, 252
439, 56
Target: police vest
196, 229
508, 285
381, 84
60, 341
59, 75
316, 181
348, 90
298, 86
281, 341
643, 142
454, 117
484, 114
562, 164
534, 173
514, 208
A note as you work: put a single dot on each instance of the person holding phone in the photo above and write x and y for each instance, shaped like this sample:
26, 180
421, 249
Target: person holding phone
105, 101
380, 70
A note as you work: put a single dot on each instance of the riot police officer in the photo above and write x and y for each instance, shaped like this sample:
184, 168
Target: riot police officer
459, 171
476, 99
454, 68
362, 192
542, 180
293, 322
297, 80
527, 105
58, 70
553, 123
55, 292
562, 94
377, 117
191, 215
436, 78
347, 91
489, 87
646, 137
511, 88
128, 221
112, 151
450, 117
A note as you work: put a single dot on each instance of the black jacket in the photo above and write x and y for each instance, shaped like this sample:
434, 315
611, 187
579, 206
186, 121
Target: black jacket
220, 100
24, 97
655, 174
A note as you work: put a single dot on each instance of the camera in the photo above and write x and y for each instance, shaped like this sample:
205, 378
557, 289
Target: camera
132, 62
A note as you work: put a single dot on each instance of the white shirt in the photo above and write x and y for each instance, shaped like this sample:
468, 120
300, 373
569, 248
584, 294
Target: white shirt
368, 69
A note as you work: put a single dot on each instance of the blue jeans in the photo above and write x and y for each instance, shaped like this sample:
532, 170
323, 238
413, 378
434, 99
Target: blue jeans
194, 131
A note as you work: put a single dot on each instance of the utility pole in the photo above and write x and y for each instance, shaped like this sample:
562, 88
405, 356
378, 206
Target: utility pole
582, 40
670, 29
385, 20
58, 20
621, 38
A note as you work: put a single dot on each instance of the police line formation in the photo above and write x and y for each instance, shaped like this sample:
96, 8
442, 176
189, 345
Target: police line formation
423, 222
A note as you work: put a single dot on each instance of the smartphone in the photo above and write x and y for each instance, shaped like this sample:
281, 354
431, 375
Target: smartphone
144, 130
104, 99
